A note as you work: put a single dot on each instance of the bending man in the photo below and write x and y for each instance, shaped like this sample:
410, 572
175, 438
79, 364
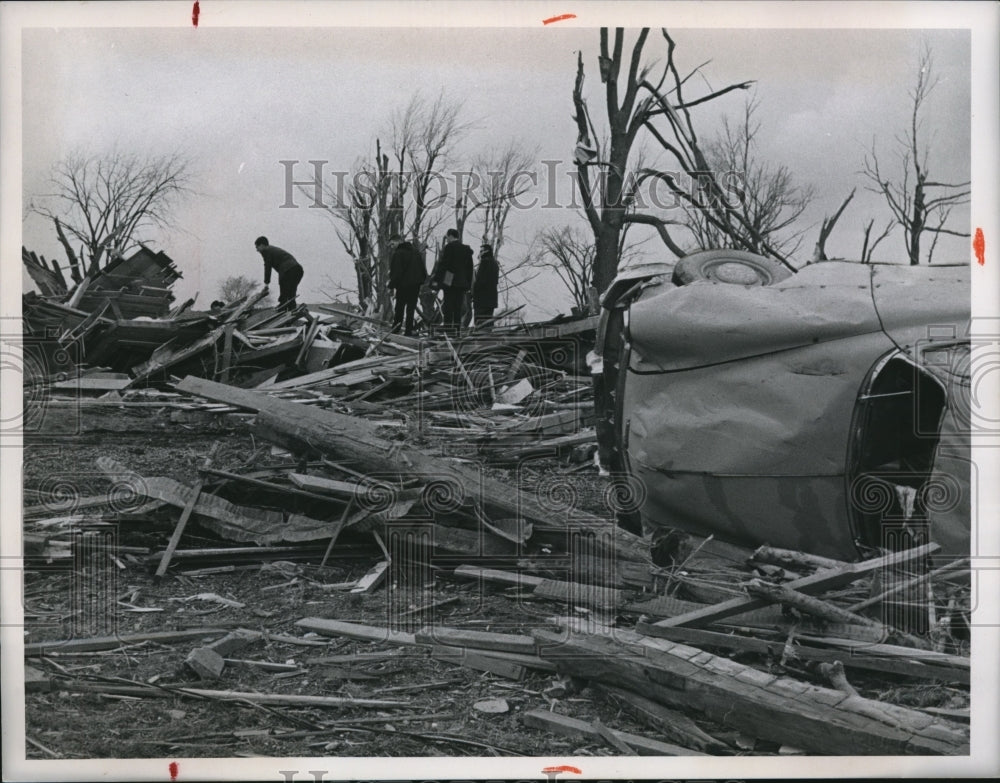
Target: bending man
289, 271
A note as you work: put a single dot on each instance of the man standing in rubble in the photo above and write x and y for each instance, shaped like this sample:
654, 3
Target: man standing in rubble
454, 278
289, 271
407, 273
484, 287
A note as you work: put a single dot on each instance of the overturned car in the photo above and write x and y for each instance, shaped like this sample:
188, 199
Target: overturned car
824, 411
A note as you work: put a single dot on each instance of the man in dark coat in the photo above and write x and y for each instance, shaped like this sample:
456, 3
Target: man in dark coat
407, 273
454, 278
484, 287
288, 269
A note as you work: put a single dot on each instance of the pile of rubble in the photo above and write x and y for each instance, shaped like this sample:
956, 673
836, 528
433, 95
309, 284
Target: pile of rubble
415, 450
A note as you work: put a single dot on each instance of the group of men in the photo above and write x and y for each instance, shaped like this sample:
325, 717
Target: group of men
453, 275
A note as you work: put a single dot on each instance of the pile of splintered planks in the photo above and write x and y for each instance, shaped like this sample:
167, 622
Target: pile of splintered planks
765, 668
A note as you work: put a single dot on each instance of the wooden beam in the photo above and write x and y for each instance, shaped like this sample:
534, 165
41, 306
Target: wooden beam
175, 537
826, 579
480, 640
359, 631
97, 643
780, 709
473, 659
856, 659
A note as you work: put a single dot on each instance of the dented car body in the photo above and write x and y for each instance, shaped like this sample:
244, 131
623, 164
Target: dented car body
824, 412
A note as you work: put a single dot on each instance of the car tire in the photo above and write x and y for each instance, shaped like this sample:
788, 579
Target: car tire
737, 267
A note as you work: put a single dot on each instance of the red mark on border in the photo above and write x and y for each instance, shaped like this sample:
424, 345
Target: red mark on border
562, 768
979, 245
560, 18
174, 766
195, 13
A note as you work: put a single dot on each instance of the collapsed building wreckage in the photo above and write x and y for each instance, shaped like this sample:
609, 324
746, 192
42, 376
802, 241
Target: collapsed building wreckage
425, 448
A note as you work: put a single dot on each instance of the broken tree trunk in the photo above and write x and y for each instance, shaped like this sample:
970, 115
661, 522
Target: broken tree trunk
762, 705
352, 439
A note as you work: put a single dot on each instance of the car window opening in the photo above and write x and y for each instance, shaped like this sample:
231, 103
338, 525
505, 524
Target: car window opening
896, 440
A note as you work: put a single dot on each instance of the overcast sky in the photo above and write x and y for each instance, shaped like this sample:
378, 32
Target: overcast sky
236, 101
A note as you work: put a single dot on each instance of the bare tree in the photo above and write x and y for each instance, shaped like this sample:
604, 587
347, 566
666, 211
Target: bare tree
570, 253
236, 287
398, 190
104, 202
491, 188
919, 204
826, 228
869, 244
769, 204
662, 110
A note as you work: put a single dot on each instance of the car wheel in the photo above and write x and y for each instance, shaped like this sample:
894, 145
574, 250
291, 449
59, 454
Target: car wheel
737, 267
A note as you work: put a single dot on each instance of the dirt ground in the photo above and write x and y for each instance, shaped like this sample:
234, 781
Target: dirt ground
438, 719
437, 708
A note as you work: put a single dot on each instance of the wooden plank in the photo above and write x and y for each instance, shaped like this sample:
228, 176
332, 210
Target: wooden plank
228, 520
175, 537
854, 659
227, 352
93, 384
574, 728
167, 356
97, 643
794, 560
807, 603
474, 543
480, 640
265, 485
495, 575
780, 709
346, 489
895, 651
359, 631
333, 374
372, 579
250, 697
826, 579
478, 661
671, 724
579, 594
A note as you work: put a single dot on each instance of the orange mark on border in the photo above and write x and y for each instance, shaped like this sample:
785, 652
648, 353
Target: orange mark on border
560, 18
195, 13
979, 245
562, 768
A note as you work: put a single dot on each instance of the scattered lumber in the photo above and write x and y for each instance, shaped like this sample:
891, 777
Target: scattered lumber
779, 709
670, 723
304, 428
810, 649
822, 580
580, 729
807, 603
